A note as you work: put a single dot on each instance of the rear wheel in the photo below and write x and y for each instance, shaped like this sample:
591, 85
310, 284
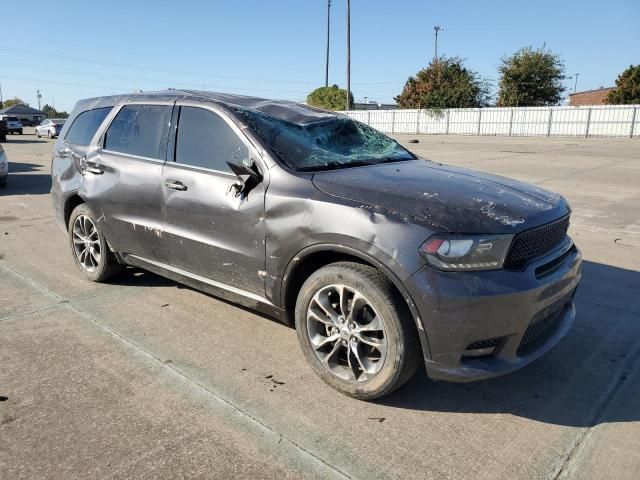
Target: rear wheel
355, 331
89, 246
49, 134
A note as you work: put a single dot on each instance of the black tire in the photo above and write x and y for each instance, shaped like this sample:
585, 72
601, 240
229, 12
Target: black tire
108, 264
20, 132
403, 351
49, 134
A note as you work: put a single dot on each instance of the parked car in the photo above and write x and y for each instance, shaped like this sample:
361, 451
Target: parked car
13, 125
4, 168
4, 130
50, 127
380, 258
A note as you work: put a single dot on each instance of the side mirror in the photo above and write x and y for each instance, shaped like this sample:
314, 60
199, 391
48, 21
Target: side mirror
248, 177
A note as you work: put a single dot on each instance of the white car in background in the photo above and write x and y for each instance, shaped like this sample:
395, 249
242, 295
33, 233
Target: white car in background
50, 127
4, 168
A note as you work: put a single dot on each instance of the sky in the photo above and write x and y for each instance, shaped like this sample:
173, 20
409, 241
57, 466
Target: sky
276, 49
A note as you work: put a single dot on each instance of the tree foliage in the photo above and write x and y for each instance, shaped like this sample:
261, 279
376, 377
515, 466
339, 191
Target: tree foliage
627, 90
330, 98
445, 83
10, 102
531, 78
51, 112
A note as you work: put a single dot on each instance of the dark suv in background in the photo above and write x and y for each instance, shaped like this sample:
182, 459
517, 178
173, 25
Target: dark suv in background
378, 257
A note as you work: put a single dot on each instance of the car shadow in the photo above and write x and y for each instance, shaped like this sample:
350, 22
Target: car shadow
573, 383
12, 139
20, 167
134, 276
26, 184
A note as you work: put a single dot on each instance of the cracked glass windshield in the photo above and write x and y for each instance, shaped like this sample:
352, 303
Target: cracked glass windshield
336, 142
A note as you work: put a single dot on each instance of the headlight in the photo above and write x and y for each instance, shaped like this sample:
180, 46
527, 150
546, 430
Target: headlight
446, 251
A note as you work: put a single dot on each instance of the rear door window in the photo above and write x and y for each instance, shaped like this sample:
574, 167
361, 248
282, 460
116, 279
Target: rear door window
85, 126
140, 130
205, 140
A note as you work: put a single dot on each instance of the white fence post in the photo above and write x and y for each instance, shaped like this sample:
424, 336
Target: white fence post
418, 122
393, 121
633, 122
511, 121
446, 132
479, 120
586, 133
550, 120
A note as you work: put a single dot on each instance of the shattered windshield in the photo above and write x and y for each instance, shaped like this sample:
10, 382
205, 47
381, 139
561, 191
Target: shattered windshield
335, 142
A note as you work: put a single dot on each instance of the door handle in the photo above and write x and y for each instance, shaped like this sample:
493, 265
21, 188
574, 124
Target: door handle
176, 185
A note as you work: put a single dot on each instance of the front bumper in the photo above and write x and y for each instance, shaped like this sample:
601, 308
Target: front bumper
500, 307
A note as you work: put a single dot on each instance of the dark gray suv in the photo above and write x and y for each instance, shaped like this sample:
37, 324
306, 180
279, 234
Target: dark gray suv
380, 259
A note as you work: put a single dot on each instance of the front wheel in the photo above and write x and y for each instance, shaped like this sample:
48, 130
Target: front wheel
355, 330
38, 133
89, 246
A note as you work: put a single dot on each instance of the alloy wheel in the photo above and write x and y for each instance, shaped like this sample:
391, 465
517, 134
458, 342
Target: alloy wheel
346, 333
86, 243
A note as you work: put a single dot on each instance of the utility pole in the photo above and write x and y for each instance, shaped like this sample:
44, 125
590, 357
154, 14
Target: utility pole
575, 85
39, 97
348, 53
326, 69
1, 100
437, 28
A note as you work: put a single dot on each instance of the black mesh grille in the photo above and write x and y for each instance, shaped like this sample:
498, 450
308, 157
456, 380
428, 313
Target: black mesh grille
534, 242
488, 343
539, 330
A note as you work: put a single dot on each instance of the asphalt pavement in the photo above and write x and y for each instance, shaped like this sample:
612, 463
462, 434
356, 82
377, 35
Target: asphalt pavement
144, 378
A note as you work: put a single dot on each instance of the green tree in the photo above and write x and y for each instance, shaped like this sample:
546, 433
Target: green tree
627, 90
329, 98
51, 112
10, 102
445, 83
531, 78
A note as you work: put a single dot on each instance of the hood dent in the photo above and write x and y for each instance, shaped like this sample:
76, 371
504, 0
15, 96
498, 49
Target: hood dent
446, 198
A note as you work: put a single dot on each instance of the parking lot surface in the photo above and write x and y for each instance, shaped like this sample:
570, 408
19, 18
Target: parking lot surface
142, 377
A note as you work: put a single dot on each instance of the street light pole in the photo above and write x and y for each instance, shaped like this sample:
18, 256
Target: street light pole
437, 28
348, 54
326, 70
575, 85
39, 97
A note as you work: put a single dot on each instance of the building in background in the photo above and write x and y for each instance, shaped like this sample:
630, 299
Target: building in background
27, 115
590, 97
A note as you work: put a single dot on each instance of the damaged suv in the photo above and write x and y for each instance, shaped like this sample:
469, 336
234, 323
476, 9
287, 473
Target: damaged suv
381, 259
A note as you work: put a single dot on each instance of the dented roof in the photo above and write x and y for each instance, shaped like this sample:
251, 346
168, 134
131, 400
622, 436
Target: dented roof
283, 109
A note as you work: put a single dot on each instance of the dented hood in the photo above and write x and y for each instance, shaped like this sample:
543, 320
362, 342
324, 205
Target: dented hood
449, 198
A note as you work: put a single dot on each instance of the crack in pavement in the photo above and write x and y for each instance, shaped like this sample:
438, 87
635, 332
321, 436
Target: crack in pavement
283, 443
601, 408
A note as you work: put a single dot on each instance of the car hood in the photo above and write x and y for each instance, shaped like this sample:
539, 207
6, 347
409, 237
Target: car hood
448, 198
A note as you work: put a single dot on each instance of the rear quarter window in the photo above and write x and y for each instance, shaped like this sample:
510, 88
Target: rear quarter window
85, 126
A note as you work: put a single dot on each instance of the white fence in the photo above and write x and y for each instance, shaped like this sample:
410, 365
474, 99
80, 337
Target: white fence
596, 121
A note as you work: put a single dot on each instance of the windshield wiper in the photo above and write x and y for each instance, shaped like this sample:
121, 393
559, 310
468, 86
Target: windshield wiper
336, 165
